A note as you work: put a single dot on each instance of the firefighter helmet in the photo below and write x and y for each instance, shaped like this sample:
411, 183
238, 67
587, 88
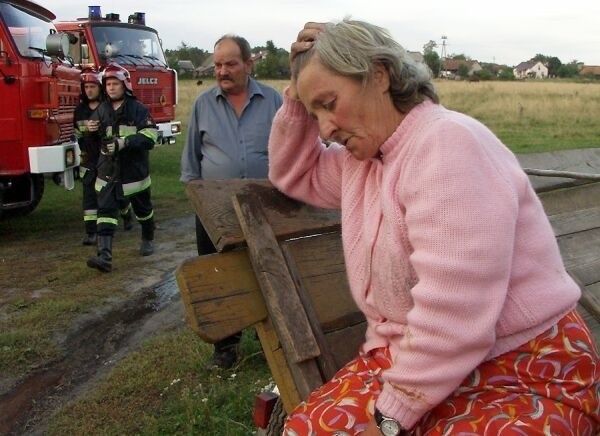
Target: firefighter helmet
118, 72
90, 75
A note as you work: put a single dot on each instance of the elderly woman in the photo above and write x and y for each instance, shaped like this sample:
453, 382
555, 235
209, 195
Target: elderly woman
471, 315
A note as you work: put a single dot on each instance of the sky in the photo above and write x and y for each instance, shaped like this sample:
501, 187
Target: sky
505, 32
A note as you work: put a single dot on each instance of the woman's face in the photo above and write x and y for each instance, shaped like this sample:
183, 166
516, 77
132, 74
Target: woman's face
360, 118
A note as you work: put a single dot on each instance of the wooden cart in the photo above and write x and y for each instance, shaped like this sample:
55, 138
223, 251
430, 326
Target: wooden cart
280, 269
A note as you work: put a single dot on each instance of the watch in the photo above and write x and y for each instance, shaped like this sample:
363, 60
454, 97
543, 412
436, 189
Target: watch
388, 426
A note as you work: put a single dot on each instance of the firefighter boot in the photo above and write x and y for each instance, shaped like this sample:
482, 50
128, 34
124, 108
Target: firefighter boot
127, 219
90, 230
103, 261
89, 239
147, 247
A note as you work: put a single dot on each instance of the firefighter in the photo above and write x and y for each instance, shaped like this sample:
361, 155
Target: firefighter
128, 133
87, 131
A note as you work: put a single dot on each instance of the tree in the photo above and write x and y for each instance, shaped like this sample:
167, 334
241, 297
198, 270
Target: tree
432, 59
429, 46
568, 70
274, 64
553, 65
185, 52
506, 74
484, 74
463, 70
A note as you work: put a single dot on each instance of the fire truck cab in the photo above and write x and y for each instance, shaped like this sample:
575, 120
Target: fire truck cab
39, 90
97, 40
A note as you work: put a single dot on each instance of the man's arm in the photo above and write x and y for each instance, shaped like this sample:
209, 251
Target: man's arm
192, 151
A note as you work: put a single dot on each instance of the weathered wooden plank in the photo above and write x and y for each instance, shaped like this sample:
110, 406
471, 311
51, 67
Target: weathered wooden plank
211, 200
581, 160
220, 294
575, 221
581, 254
281, 299
590, 299
276, 283
320, 264
571, 199
345, 342
589, 306
277, 364
591, 322
325, 359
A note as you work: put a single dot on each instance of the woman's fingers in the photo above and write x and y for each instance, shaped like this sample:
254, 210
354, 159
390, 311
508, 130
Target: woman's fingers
305, 40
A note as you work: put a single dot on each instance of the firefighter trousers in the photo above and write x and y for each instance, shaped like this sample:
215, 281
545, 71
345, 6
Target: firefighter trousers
111, 201
90, 201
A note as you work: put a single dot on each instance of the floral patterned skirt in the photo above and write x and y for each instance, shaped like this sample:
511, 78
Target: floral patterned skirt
548, 386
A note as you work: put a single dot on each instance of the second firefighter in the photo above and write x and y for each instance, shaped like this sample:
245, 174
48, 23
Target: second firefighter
128, 134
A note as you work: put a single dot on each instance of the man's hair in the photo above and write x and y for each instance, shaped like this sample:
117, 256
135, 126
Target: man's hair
352, 48
241, 43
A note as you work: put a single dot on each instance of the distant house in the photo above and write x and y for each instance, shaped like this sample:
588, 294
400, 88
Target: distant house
259, 56
590, 71
207, 68
449, 68
531, 70
185, 67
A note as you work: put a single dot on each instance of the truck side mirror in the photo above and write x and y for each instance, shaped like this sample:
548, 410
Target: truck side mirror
85, 53
57, 44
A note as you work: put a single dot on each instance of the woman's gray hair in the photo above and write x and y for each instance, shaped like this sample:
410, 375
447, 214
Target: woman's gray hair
351, 48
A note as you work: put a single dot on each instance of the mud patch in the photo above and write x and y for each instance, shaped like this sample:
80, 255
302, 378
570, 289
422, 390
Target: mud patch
96, 346
95, 342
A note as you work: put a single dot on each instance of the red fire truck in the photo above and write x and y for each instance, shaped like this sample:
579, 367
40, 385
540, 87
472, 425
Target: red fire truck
97, 40
38, 93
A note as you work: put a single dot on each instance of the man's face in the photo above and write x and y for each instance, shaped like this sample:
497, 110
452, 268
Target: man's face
230, 70
92, 91
115, 89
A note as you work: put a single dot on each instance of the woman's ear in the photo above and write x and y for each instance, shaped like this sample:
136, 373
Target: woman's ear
381, 77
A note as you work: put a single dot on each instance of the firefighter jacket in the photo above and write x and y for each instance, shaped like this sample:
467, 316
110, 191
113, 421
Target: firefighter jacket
89, 142
129, 166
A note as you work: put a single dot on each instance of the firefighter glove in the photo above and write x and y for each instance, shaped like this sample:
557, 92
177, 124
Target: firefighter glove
116, 145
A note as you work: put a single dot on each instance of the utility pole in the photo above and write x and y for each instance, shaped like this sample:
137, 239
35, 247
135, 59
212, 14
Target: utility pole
443, 55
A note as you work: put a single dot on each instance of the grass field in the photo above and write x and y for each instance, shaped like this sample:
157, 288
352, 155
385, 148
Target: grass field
163, 388
528, 116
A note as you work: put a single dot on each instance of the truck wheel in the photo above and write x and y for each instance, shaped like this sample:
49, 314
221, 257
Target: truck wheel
28, 186
277, 419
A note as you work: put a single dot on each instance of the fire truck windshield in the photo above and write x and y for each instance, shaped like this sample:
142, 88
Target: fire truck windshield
128, 46
27, 29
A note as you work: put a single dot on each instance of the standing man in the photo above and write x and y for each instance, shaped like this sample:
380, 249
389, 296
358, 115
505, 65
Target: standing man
87, 130
227, 138
128, 133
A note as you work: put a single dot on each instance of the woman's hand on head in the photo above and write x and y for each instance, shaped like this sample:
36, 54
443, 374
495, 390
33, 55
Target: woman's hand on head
305, 40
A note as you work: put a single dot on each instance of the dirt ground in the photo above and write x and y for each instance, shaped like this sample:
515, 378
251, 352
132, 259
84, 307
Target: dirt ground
100, 338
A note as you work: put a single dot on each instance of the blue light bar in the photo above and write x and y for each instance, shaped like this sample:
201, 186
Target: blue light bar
94, 13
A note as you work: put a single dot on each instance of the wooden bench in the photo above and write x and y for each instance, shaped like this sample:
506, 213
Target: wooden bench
280, 268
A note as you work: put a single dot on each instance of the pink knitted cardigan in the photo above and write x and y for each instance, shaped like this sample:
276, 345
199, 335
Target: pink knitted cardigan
448, 250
